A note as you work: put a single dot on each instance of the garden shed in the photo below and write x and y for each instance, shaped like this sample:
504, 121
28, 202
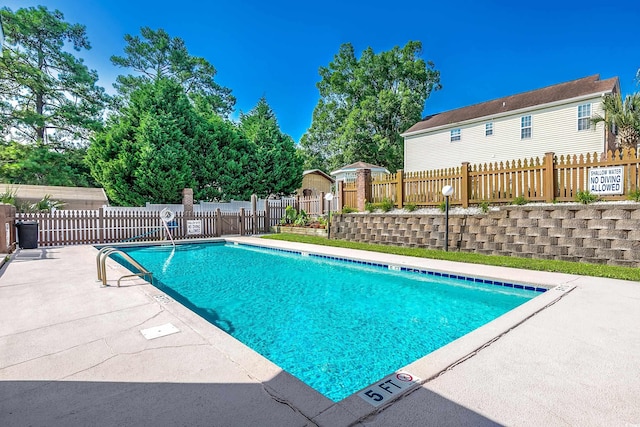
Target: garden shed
314, 182
72, 197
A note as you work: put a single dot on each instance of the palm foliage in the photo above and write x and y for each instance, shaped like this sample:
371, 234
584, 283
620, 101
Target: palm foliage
623, 115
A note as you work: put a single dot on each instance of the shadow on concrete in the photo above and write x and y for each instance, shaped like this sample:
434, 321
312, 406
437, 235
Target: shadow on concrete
84, 403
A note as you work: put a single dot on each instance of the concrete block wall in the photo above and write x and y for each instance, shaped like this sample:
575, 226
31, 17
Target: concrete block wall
600, 233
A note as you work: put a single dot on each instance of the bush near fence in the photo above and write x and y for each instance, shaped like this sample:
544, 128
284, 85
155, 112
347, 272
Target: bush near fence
548, 179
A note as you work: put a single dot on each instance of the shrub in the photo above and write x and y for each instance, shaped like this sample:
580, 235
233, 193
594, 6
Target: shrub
348, 210
9, 196
635, 195
484, 206
370, 207
586, 197
387, 205
443, 206
302, 219
290, 215
520, 200
410, 207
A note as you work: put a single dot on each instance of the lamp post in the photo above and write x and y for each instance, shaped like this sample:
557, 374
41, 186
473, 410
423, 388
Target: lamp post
329, 197
447, 191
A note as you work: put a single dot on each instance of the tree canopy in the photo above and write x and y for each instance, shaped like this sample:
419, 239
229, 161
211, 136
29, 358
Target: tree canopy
365, 103
47, 95
36, 164
277, 169
156, 56
158, 144
141, 155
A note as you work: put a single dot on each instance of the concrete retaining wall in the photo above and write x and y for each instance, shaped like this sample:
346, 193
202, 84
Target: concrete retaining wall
602, 233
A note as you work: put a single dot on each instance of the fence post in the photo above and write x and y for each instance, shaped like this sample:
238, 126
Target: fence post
322, 202
254, 214
549, 179
241, 218
340, 204
363, 187
399, 189
187, 202
218, 222
7, 224
267, 219
464, 184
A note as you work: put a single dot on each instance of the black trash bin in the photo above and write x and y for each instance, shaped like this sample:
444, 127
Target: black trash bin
27, 234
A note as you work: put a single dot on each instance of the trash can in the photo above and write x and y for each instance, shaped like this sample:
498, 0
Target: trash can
27, 234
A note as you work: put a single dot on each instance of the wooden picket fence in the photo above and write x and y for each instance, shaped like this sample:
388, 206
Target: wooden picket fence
549, 179
78, 227
106, 226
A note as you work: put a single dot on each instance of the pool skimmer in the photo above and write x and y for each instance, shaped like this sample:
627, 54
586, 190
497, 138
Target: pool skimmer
159, 331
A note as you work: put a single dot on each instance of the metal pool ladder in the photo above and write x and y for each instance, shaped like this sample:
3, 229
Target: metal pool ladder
101, 261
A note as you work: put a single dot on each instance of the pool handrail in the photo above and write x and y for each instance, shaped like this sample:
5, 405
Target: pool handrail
101, 262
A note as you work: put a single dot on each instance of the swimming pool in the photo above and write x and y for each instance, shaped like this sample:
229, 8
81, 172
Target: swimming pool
337, 326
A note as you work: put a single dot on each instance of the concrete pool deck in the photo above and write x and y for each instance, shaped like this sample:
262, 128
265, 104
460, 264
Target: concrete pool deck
71, 353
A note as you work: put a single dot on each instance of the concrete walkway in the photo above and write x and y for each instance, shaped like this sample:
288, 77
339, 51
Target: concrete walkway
72, 353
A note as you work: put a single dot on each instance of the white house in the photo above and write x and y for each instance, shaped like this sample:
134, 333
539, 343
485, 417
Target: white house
348, 173
552, 119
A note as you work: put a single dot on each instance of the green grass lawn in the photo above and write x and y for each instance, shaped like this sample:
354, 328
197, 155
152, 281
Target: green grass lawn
584, 269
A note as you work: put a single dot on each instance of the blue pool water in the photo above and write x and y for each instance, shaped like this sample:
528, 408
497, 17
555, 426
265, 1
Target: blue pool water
336, 326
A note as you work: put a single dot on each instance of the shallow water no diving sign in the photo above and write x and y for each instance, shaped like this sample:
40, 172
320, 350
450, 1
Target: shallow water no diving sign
388, 388
194, 227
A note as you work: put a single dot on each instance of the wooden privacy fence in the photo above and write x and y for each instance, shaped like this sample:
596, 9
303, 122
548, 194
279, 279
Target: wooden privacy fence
548, 179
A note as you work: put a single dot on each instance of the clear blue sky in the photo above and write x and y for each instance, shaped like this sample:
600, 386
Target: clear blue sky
483, 49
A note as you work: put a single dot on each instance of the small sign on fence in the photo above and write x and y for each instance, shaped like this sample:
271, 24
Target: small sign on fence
194, 227
606, 181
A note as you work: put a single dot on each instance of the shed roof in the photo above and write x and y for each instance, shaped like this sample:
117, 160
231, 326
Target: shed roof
563, 91
57, 193
359, 165
318, 172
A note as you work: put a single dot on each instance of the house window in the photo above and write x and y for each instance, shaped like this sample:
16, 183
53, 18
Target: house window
525, 127
455, 135
584, 116
488, 129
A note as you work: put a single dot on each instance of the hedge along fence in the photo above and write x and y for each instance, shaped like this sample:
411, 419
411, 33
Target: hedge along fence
549, 179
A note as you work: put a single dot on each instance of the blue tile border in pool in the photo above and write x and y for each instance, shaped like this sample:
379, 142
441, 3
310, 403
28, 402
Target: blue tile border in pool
406, 269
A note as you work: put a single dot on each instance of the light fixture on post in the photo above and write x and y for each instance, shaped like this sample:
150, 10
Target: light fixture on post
329, 198
447, 191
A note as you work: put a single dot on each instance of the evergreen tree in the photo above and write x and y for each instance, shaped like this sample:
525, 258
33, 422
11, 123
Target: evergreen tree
47, 95
278, 166
142, 155
159, 145
224, 170
158, 56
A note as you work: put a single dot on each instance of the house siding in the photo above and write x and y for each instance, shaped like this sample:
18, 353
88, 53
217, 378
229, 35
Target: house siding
554, 129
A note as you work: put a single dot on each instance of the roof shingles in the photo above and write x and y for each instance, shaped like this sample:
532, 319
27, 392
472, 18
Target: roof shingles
573, 89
